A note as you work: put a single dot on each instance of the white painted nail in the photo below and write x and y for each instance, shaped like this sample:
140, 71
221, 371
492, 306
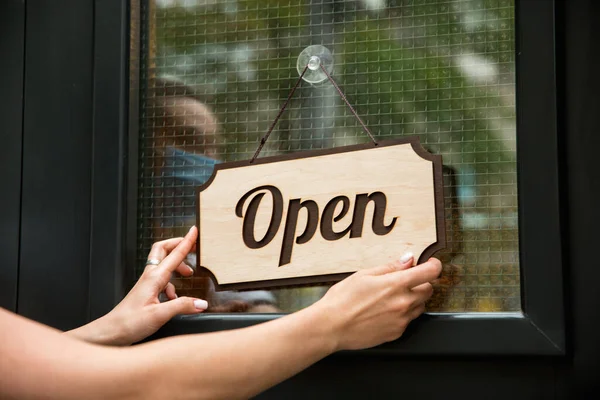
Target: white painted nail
406, 257
201, 304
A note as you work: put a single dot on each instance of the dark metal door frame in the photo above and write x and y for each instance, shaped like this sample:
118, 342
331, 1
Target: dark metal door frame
539, 329
108, 283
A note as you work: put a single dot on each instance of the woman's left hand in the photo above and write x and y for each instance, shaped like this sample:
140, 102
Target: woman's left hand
141, 313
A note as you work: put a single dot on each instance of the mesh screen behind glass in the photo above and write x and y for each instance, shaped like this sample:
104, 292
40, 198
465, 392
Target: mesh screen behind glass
214, 74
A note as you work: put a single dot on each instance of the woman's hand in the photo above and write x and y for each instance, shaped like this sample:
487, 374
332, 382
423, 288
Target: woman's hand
141, 313
366, 309
376, 305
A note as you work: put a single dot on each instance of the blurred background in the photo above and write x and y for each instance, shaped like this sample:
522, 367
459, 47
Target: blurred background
213, 75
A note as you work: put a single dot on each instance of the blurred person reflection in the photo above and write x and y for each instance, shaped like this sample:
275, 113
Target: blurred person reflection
184, 146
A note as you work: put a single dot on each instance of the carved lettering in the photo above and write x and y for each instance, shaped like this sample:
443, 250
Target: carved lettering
328, 219
355, 227
380, 202
250, 217
290, 227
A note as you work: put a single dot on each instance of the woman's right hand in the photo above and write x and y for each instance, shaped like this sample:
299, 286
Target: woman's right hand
376, 305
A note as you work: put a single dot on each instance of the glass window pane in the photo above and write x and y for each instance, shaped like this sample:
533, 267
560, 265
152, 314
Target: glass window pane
214, 75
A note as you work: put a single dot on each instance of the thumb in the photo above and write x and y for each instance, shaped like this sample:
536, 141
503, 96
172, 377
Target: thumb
180, 305
405, 262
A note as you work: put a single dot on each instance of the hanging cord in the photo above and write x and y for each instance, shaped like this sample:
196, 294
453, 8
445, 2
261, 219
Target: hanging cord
264, 139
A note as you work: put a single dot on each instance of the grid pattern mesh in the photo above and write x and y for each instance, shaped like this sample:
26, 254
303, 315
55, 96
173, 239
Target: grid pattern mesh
215, 73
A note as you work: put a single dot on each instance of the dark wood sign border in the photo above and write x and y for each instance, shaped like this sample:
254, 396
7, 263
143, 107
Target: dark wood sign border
328, 278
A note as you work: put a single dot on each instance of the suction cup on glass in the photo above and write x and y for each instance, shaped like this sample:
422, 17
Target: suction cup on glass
315, 56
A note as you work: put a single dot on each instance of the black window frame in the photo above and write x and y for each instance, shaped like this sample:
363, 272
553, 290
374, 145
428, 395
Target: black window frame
538, 330
12, 69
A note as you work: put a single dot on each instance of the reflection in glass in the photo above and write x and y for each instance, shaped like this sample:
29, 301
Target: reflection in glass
215, 74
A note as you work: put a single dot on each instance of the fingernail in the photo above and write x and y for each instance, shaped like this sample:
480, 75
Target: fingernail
191, 269
201, 304
193, 226
406, 257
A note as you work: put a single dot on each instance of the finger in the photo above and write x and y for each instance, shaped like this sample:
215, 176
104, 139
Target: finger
416, 311
406, 261
160, 249
181, 305
422, 273
170, 291
184, 269
422, 293
172, 261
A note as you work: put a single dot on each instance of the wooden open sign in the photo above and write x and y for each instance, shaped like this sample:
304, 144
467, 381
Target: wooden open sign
318, 216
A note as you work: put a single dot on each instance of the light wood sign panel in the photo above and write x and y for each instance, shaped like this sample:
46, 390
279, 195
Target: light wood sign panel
318, 216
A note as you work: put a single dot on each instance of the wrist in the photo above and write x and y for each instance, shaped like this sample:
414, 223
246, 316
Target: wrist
325, 320
104, 331
111, 330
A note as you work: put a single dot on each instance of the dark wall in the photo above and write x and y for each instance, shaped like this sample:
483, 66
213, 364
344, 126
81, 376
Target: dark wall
62, 113
57, 161
580, 106
62, 158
